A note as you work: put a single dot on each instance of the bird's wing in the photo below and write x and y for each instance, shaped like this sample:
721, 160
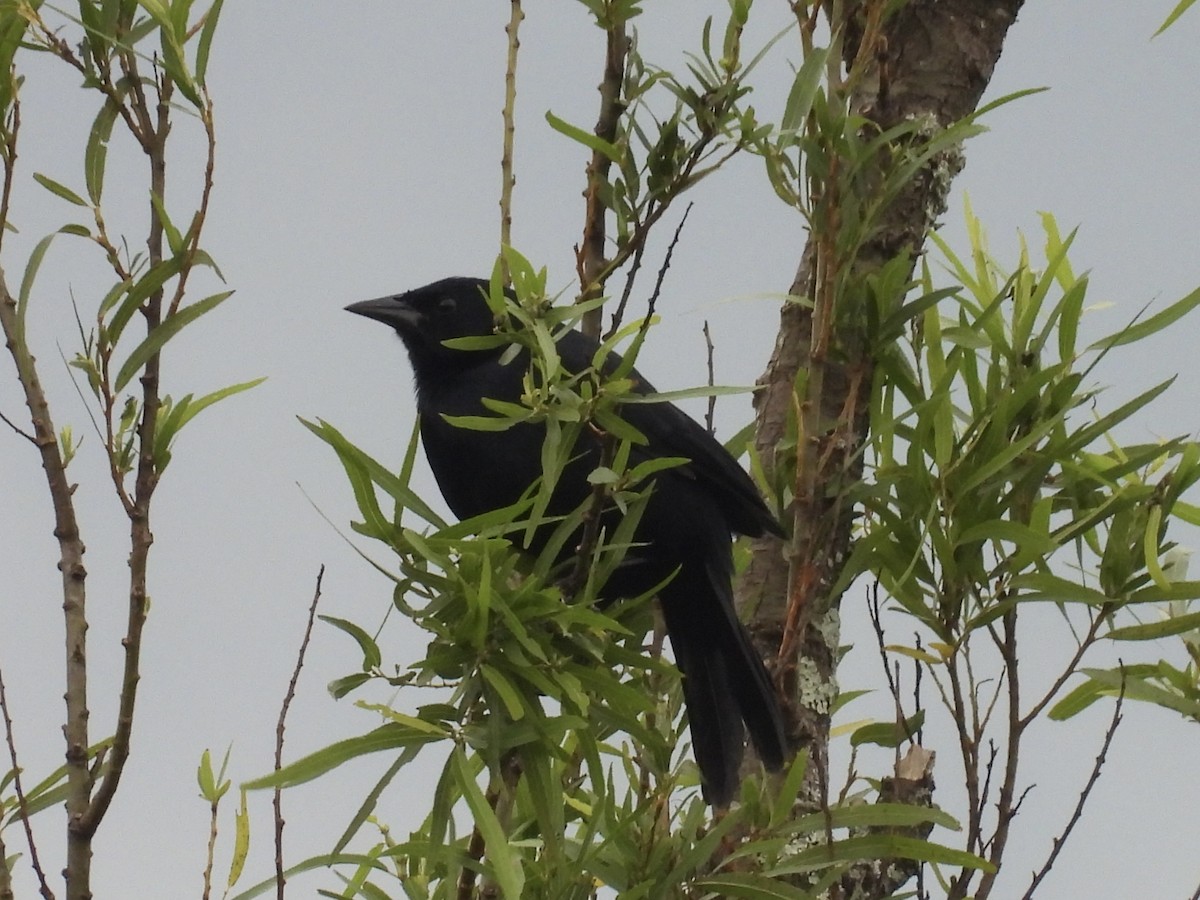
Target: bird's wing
672, 432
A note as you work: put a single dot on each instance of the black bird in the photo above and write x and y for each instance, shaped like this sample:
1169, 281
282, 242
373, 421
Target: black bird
685, 525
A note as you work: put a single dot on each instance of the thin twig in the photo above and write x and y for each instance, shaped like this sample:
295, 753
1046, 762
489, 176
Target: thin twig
507, 177
1077, 814
279, 730
18, 429
874, 608
22, 805
214, 806
658, 280
1005, 808
711, 411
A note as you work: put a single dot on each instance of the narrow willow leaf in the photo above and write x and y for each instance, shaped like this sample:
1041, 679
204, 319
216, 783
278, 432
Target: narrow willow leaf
370, 650
587, 138
391, 736
509, 695
394, 487
174, 237
96, 153
803, 92
195, 407
505, 865
31, 270
881, 846
368, 805
241, 843
324, 861
1154, 630
166, 330
875, 815
1157, 322
59, 190
889, 734
747, 887
706, 390
1179, 10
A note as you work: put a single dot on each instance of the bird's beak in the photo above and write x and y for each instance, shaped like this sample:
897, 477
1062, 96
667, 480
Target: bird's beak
394, 311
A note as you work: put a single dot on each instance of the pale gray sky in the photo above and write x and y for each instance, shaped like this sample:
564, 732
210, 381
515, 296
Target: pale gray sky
359, 155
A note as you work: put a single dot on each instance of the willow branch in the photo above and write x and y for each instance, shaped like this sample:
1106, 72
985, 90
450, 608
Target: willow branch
593, 267
1077, 813
22, 805
141, 538
277, 802
508, 178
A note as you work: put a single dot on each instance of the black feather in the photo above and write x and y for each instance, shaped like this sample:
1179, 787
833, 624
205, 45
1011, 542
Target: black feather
685, 528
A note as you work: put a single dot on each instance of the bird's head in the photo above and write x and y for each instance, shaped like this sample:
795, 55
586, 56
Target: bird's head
428, 316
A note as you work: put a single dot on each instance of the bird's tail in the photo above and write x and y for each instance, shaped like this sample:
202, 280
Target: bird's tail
725, 683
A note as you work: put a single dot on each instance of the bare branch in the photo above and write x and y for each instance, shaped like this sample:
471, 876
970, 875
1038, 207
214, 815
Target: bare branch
18, 429
22, 805
507, 178
279, 729
709, 349
1077, 814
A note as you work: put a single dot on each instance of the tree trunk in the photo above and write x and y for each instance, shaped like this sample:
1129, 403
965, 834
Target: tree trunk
930, 64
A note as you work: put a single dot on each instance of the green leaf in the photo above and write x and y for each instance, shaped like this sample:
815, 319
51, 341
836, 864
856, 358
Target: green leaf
749, 887
324, 861
997, 530
174, 238
881, 846
1044, 586
166, 330
96, 153
504, 863
368, 805
51, 791
391, 736
171, 425
1152, 325
889, 734
134, 295
241, 843
1179, 10
59, 189
204, 777
206, 36
480, 423
31, 269
706, 390
1154, 630
379, 474
875, 815
587, 138
804, 90
372, 658
509, 695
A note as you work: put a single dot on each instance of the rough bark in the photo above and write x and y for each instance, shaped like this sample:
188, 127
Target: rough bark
931, 66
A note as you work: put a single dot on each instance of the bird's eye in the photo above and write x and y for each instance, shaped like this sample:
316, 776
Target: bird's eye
447, 305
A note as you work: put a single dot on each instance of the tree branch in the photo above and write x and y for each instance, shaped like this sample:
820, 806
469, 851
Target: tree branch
22, 806
1077, 814
929, 62
507, 178
593, 267
277, 801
